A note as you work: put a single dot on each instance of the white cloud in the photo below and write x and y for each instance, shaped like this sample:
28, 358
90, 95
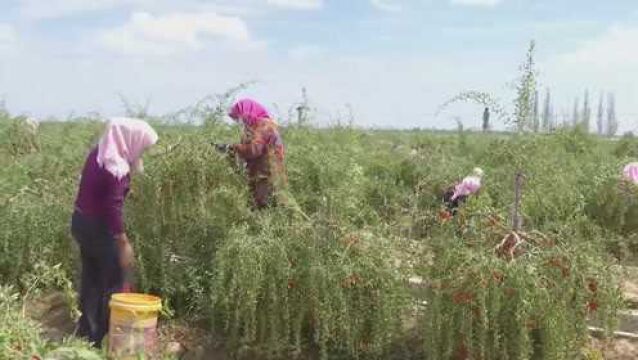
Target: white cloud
45, 9
615, 48
50, 9
8, 36
166, 34
485, 3
298, 4
387, 5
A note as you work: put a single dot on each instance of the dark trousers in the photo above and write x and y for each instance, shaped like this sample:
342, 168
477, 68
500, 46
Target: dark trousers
262, 191
102, 275
452, 205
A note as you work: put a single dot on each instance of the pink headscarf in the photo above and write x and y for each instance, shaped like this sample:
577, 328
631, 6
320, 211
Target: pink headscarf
249, 111
470, 184
631, 172
122, 145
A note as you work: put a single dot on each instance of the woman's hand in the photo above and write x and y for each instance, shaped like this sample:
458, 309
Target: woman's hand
127, 256
223, 148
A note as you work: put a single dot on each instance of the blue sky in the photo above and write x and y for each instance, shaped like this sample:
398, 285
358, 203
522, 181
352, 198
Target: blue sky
392, 61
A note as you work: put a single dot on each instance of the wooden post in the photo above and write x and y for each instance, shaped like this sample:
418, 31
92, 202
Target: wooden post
517, 220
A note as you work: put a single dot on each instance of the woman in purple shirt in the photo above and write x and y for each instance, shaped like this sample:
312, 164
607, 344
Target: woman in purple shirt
97, 223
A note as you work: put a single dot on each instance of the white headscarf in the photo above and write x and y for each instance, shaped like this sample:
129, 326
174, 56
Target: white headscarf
122, 145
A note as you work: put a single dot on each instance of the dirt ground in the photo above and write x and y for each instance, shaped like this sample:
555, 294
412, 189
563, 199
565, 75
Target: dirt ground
630, 287
624, 349
186, 341
53, 313
619, 349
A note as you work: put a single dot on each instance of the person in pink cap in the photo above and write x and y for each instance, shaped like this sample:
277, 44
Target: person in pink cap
261, 148
455, 195
630, 173
97, 223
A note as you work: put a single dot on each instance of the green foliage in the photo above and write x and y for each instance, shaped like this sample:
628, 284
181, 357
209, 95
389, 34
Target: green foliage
17, 334
201, 241
46, 277
20, 337
18, 136
615, 206
308, 285
35, 223
180, 210
627, 147
483, 305
200, 247
525, 114
481, 98
525, 92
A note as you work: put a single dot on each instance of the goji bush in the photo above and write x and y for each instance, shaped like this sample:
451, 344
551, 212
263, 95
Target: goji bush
515, 295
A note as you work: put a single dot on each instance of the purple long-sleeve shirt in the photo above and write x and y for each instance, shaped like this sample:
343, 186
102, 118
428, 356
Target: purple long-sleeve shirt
101, 195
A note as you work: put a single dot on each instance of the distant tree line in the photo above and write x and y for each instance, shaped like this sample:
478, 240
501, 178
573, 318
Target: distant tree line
527, 114
548, 119
606, 121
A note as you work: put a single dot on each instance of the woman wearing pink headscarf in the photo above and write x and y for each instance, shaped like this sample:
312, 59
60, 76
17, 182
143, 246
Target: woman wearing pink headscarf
630, 173
97, 223
459, 192
261, 148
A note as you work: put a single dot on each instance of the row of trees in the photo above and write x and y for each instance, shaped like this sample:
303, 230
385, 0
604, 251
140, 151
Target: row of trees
529, 117
549, 119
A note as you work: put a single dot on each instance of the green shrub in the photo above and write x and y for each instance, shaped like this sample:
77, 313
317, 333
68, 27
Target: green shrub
19, 137
20, 337
615, 206
200, 247
482, 305
627, 147
283, 289
179, 212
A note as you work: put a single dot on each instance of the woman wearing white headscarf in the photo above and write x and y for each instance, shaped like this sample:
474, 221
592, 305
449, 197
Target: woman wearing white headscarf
97, 224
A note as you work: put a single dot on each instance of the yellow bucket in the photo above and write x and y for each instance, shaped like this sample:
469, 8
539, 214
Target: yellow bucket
133, 326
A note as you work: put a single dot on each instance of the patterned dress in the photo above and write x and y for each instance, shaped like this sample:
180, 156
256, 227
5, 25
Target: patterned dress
263, 151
